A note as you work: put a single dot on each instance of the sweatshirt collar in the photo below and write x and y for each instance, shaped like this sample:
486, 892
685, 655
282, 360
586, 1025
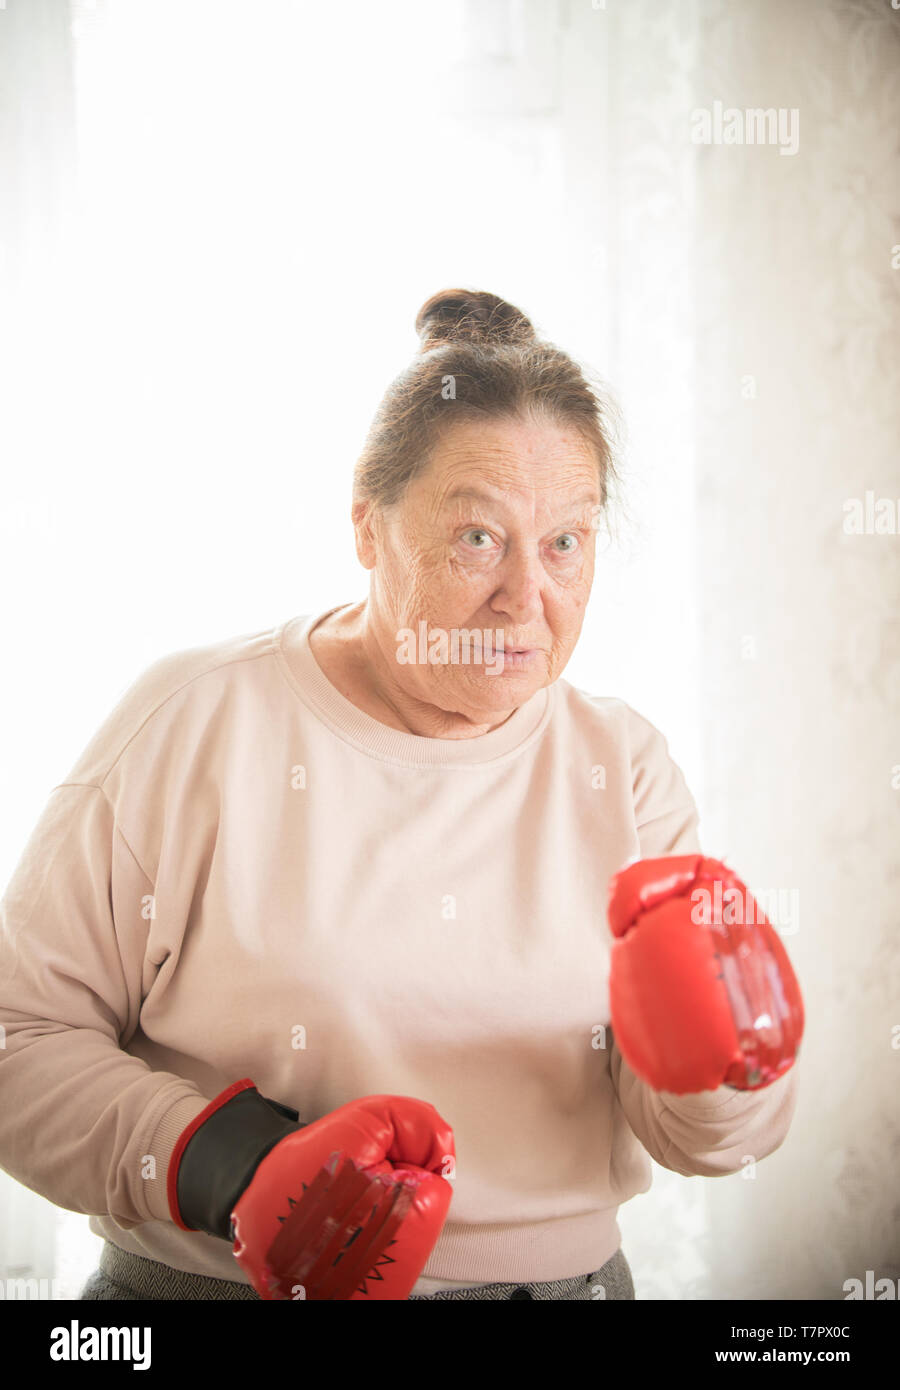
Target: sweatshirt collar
393, 745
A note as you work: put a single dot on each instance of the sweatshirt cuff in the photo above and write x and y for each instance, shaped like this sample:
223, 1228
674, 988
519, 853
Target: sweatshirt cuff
702, 1102
165, 1137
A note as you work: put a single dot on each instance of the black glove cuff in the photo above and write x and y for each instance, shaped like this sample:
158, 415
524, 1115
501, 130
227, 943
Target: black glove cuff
221, 1157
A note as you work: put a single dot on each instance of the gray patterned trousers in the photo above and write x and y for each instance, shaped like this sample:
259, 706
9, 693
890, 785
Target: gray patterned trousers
123, 1276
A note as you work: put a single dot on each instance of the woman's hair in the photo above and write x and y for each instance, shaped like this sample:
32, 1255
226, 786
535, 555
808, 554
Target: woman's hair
479, 358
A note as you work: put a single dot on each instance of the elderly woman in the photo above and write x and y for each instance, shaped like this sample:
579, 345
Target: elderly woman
306, 966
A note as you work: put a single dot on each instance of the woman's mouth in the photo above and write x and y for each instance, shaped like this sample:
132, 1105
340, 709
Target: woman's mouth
517, 658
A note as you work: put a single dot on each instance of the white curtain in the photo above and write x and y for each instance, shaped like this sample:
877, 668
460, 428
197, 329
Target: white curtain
757, 293
801, 681
203, 325
39, 1243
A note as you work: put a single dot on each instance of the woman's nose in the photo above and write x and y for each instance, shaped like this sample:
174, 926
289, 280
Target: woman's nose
520, 590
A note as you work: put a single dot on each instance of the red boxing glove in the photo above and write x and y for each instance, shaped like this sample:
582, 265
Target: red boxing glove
700, 995
348, 1207
390, 1196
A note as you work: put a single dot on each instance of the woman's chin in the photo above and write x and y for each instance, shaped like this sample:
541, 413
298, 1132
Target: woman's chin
482, 696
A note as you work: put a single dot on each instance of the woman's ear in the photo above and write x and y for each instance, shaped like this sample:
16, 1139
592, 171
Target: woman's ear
363, 515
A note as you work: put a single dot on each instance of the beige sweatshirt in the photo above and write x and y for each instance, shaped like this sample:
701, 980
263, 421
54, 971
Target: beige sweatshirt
244, 875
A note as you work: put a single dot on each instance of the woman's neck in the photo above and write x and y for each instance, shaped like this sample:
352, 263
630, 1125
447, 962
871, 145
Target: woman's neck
347, 651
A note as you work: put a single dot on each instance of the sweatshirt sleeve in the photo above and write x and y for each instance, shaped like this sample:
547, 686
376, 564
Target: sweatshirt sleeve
710, 1133
664, 810
707, 1133
82, 1122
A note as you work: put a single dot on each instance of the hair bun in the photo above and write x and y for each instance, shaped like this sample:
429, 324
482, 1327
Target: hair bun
470, 315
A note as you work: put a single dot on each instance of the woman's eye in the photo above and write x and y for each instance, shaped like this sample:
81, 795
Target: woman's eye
573, 543
476, 531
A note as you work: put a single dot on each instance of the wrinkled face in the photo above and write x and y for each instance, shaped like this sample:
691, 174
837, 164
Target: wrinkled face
497, 537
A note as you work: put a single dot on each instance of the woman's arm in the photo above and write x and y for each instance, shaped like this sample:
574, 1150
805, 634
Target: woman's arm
81, 1122
708, 1133
704, 1133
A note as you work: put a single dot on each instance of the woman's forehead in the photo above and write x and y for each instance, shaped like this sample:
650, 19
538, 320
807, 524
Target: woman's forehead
530, 495
479, 462
509, 439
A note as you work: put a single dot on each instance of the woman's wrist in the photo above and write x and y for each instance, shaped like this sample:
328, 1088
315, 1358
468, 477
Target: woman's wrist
217, 1155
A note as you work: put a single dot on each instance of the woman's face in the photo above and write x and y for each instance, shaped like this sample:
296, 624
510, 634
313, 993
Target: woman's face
496, 535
